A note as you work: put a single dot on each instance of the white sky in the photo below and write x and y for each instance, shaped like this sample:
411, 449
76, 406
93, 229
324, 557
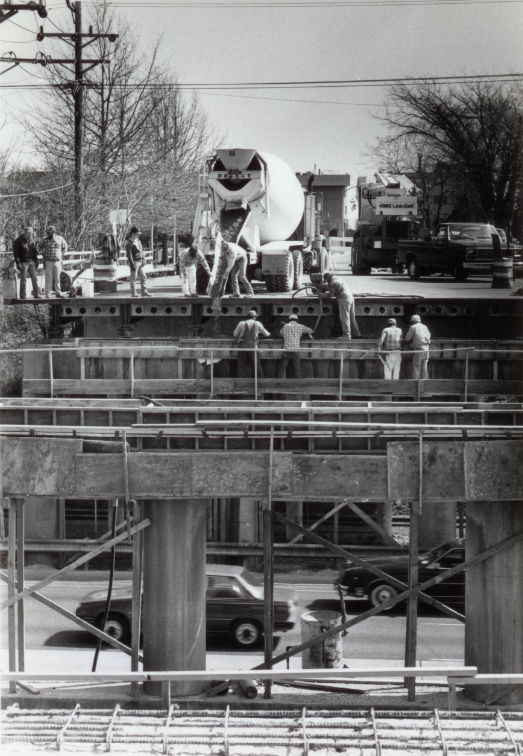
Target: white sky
211, 45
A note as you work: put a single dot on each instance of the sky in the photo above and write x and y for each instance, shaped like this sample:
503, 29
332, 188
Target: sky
233, 41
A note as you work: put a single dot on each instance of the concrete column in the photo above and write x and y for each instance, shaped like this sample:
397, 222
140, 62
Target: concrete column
494, 606
294, 512
437, 523
41, 524
174, 588
384, 516
248, 521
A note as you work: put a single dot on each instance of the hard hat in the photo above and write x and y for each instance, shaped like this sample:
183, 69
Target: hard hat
391, 321
415, 319
293, 317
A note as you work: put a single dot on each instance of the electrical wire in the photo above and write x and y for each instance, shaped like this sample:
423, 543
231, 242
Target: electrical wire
315, 4
40, 191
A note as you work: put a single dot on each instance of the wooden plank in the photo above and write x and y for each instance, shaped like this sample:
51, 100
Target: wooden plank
52, 466
411, 635
332, 512
373, 524
363, 387
493, 470
136, 602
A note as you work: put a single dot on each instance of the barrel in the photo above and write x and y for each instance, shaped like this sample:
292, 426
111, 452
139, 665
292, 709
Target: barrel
502, 273
329, 653
105, 277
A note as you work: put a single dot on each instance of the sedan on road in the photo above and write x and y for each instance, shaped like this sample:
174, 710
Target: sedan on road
358, 582
234, 605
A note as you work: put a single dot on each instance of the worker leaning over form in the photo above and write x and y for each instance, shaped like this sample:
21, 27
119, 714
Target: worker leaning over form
189, 261
390, 342
292, 333
53, 247
418, 336
136, 260
26, 259
248, 333
237, 264
339, 289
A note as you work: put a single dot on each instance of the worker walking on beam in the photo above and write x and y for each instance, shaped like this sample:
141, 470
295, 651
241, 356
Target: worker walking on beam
390, 343
292, 333
189, 261
248, 333
339, 289
418, 336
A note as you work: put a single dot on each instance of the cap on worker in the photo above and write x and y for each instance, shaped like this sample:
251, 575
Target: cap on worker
134, 230
391, 321
327, 276
415, 319
253, 313
51, 228
292, 316
28, 229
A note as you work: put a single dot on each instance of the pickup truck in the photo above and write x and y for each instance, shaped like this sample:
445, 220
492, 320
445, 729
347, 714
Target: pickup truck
458, 249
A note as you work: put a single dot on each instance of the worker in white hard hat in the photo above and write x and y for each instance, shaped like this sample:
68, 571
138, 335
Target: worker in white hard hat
338, 288
390, 343
418, 336
248, 333
292, 333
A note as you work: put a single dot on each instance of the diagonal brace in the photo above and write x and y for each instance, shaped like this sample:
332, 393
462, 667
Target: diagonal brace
68, 568
321, 520
370, 567
374, 525
77, 620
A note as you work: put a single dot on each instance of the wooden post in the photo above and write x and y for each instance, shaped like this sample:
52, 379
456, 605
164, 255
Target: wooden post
131, 374
340, 392
11, 590
256, 372
412, 607
62, 531
466, 375
268, 569
212, 376
136, 611
51, 376
20, 563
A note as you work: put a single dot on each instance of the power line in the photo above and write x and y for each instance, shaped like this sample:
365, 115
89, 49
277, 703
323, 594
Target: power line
302, 4
40, 191
285, 99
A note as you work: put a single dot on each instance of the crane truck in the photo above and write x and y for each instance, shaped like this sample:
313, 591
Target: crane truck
254, 199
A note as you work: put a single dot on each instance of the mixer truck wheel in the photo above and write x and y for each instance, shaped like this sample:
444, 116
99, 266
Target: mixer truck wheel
298, 269
272, 283
286, 280
324, 262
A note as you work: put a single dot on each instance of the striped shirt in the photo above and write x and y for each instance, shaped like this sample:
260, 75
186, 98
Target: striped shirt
292, 333
54, 248
391, 339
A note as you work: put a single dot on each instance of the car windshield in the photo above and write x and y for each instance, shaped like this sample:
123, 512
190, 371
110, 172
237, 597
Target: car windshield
475, 232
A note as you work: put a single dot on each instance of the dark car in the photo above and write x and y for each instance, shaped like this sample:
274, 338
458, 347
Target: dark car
358, 582
234, 607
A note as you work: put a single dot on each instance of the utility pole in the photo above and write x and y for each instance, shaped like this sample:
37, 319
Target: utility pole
78, 118
8, 9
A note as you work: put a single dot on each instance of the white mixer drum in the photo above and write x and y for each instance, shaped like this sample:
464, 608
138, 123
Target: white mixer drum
285, 200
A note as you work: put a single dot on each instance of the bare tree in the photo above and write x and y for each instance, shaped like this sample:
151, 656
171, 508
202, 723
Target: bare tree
141, 132
473, 130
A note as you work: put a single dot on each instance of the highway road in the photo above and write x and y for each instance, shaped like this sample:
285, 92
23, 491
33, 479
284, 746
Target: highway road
381, 637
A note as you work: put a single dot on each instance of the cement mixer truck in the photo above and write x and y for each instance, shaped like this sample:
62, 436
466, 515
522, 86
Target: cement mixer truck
255, 200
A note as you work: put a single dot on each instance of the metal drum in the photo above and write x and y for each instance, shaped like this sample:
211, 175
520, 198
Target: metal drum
326, 655
502, 273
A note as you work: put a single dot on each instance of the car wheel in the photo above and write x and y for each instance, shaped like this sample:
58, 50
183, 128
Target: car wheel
116, 626
246, 633
381, 593
413, 269
460, 274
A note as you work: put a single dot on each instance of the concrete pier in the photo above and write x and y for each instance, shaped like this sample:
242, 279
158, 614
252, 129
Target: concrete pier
437, 523
174, 588
42, 523
494, 606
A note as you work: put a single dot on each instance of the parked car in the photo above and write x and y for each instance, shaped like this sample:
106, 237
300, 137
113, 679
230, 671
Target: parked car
358, 582
234, 607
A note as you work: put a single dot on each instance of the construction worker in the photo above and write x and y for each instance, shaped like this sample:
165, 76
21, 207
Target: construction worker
189, 260
237, 256
26, 259
248, 333
53, 247
390, 342
337, 288
292, 333
418, 336
136, 260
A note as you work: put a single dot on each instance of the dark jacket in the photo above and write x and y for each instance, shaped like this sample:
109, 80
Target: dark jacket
135, 253
24, 251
